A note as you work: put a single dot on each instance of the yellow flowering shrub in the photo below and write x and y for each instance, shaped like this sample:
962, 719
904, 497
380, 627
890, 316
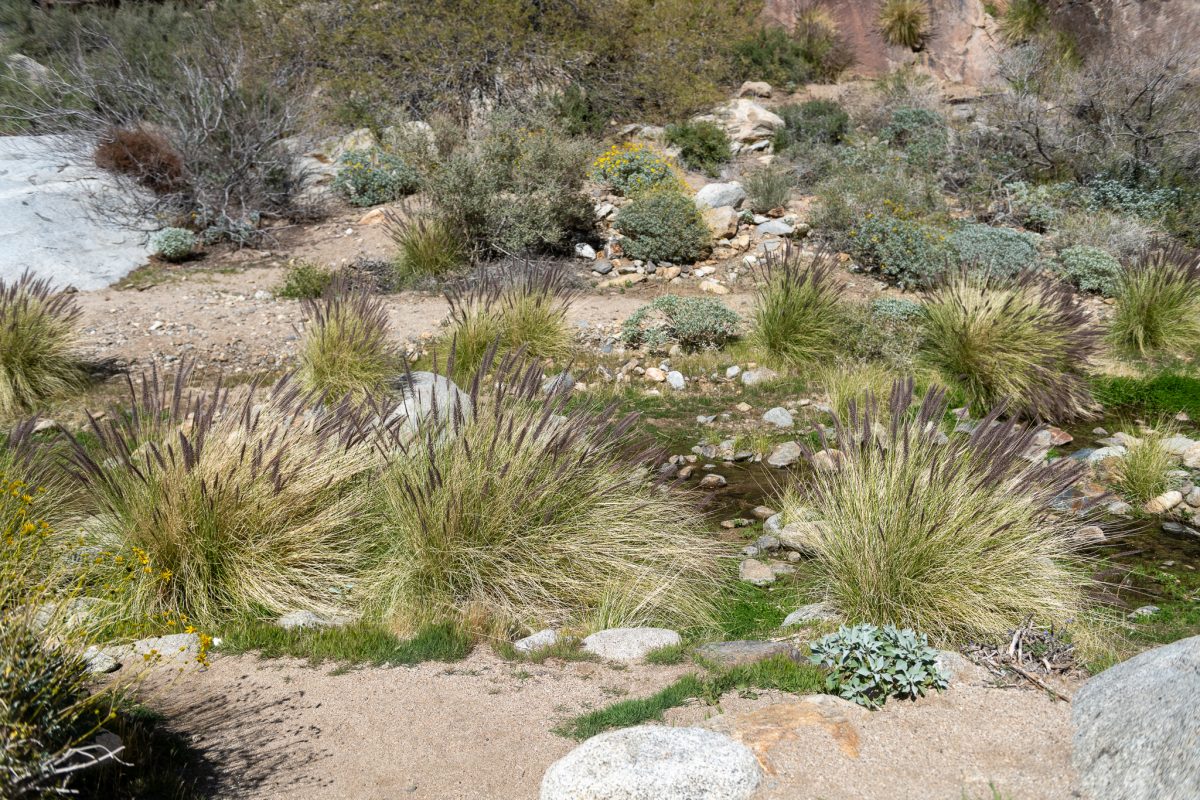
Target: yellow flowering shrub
631, 167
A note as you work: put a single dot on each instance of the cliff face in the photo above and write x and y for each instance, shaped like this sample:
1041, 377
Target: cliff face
964, 42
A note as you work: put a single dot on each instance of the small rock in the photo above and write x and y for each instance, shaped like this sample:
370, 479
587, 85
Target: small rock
776, 227
713, 481
629, 644
299, 620
538, 641
767, 542
734, 524
756, 572
585, 251
718, 195
779, 417
1092, 535
1119, 508
733, 372
562, 383
621, 281
1178, 445
754, 377
763, 512
785, 454
754, 89
813, 612
1164, 502
1193, 497
741, 653
1103, 453
1144, 611
655, 374
743, 407
827, 460
654, 762
709, 286
99, 662
603, 266
676, 380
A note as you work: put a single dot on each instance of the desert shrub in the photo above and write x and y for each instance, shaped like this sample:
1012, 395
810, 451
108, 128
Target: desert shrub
174, 244
571, 529
1089, 269
905, 250
345, 349
38, 341
1038, 207
798, 311
904, 23
994, 250
201, 116
868, 181
703, 146
1124, 237
1141, 475
1024, 342
305, 280
579, 112
812, 122
214, 507
694, 323
513, 307
813, 50
426, 246
631, 168
514, 188
1114, 194
144, 155
867, 665
886, 332
373, 176
1158, 305
768, 187
955, 537
663, 225
920, 133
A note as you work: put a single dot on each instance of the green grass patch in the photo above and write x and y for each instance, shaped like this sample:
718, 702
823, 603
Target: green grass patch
1166, 393
779, 672
566, 649
752, 612
360, 643
1177, 595
668, 655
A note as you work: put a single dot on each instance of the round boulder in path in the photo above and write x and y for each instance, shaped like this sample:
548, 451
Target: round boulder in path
1136, 730
654, 763
629, 644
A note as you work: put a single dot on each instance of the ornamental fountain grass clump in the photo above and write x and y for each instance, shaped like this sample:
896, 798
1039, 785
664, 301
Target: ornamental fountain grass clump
530, 514
521, 305
1158, 305
1023, 341
954, 537
346, 349
39, 359
798, 311
207, 504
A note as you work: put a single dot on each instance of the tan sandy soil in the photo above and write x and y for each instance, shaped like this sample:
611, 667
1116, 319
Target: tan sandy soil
481, 729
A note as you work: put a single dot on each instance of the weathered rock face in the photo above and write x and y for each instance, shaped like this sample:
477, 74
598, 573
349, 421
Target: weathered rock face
48, 223
1136, 731
425, 395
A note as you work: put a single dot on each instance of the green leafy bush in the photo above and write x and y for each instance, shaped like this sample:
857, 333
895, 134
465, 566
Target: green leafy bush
768, 187
1025, 342
39, 358
1038, 207
1114, 194
702, 145
663, 225
922, 135
1089, 269
955, 536
572, 530
897, 309
516, 188
631, 167
909, 252
904, 23
305, 280
798, 312
813, 50
812, 122
694, 323
174, 244
345, 349
870, 180
579, 112
867, 665
371, 177
994, 250
1158, 305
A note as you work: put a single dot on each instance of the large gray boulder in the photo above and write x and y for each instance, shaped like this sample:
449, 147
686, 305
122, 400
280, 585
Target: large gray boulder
654, 763
51, 221
1137, 727
426, 396
720, 195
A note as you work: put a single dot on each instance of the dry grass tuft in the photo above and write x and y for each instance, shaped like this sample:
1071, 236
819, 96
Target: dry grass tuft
39, 359
1024, 342
904, 23
346, 349
534, 515
955, 538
